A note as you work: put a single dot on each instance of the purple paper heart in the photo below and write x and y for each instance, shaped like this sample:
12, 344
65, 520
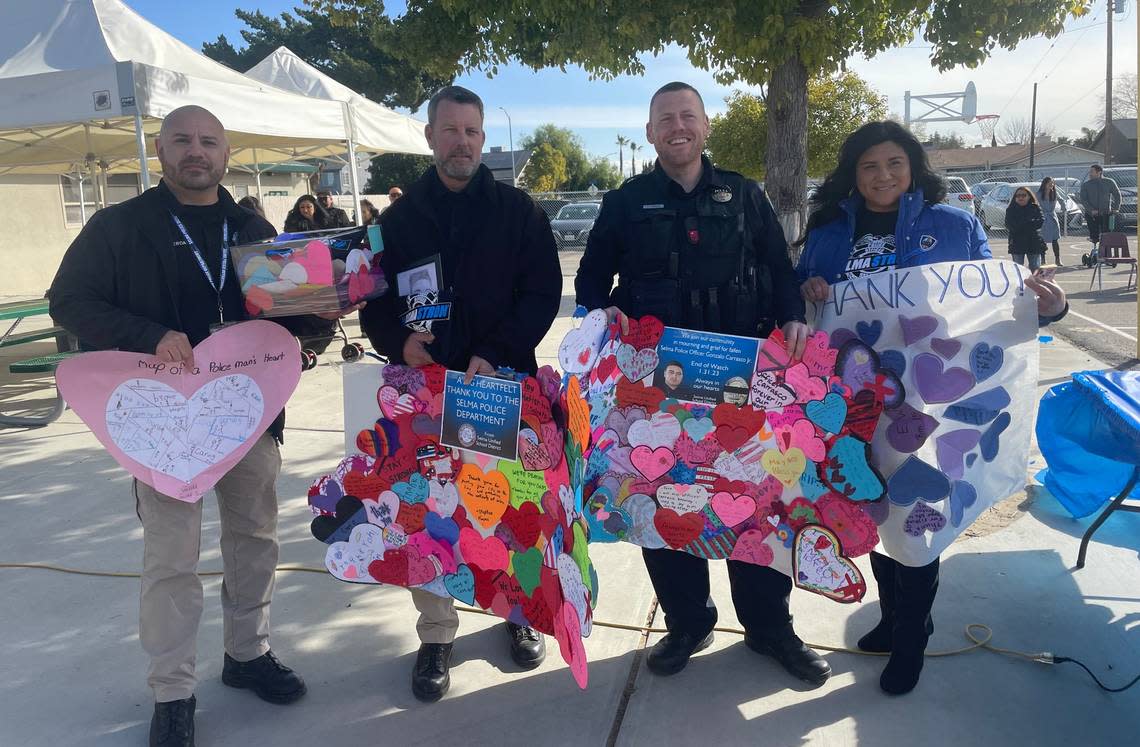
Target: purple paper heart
877, 510
405, 379
842, 336
425, 425
915, 480
909, 429
936, 386
914, 329
951, 449
986, 360
980, 408
922, 519
989, 441
619, 421
328, 496
946, 348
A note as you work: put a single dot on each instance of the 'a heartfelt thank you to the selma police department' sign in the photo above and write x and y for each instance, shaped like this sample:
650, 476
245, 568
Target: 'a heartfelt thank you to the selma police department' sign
482, 416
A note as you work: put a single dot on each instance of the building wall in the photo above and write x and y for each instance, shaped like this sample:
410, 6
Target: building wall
35, 233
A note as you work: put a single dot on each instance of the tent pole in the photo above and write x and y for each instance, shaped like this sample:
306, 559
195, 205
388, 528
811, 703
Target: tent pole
350, 127
140, 140
82, 200
257, 174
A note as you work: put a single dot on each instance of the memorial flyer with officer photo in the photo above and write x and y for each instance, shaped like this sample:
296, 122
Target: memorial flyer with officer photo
705, 367
482, 416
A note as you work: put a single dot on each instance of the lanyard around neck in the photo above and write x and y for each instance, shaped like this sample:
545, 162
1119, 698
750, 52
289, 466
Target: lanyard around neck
218, 286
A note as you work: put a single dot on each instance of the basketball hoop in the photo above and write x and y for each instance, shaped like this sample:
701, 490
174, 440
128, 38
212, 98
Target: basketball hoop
987, 123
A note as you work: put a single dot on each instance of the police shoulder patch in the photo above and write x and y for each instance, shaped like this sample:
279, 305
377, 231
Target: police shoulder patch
926, 242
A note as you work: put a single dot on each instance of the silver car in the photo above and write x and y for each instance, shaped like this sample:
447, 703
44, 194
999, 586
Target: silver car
573, 222
992, 212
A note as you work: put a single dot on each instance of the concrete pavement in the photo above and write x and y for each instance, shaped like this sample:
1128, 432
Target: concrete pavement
74, 671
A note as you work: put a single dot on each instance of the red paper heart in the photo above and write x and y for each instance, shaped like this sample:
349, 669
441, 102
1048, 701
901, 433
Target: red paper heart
537, 613
535, 405
605, 368
644, 332
360, 485
411, 516
391, 569
676, 529
630, 393
735, 425
524, 522
433, 377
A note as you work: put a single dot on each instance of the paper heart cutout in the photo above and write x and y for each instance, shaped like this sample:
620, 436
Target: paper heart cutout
579, 348
532, 452
652, 462
915, 480
523, 485
801, 435
818, 565
869, 332
486, 553
909, 428
634, 394
349, 561
786, 467
733, 510
963, 495
486, 494
524, 523
768, 392
535, 405
180, 432
662, 429
444, 529
988, 443
697, 428
750, 547
916, 328
807, 388
411, 517
683, 498
677, 530
894, 361
316, 259
644, 332
569, 636
619, 421
324, 494
405, 379
937, 386
382, 510
819, 355
461, 584
946, 348
850, 523
980, 408
986, 360
773, 355
636, 364
393, 404
922, 519
527, 569
694, 454
848, 470
338, 527
578, 413
828, 413
413, 490
735, 425
951, 449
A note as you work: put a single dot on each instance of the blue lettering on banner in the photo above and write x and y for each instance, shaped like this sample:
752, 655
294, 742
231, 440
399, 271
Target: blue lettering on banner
430, 313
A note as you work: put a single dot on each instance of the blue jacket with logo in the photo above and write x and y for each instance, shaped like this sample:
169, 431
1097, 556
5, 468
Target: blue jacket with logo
924, 234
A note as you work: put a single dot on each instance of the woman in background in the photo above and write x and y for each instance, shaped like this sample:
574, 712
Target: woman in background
1023, 220
1051, 208
306, 215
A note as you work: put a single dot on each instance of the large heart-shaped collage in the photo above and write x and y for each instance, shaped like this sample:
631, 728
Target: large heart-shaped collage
506, 536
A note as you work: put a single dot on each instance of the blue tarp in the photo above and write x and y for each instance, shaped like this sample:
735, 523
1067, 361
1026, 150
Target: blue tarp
1089, 433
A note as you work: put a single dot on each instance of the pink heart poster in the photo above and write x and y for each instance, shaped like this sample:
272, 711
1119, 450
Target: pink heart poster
178, 430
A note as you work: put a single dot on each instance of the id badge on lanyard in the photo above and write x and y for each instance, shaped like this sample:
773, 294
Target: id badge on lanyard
218, 286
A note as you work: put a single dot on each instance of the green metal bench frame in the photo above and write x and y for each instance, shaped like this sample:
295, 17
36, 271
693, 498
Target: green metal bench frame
41, 364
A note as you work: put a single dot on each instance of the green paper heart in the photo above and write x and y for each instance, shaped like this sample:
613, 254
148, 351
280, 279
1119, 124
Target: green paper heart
525, 484
527, 568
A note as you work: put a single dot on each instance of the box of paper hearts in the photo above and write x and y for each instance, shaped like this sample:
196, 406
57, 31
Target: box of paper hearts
308, 273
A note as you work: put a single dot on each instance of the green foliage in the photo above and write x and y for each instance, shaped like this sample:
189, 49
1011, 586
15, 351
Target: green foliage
570, 146
349, 50
546, 171
939, 141
837, 106
602, 174
395, 170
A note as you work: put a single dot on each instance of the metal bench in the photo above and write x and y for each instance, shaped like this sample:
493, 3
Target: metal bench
59, 333
40, 364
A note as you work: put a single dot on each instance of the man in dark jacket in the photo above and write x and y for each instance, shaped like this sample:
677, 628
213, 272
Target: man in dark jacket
699, 247
338, 218
153, 275
1100, 199
475, 284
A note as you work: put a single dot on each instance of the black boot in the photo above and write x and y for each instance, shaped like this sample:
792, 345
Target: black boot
1056, 253
528, 648
914, 597
173, 723
878, 640
792, 654
671, 654
430, 677
271, 680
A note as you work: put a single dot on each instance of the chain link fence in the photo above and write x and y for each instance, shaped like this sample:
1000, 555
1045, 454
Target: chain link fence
571, 216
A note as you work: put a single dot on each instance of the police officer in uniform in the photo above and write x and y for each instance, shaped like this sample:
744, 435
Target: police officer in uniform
700, 248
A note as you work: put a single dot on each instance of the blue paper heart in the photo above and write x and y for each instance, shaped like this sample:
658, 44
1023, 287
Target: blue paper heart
828, 413
915, 480
415, 490
979, 409
848, 471
985, 360
461, 584
962, 496
683, 474
698, 427
811, 486
869, 332
970, 459
989, 443
893, 360
441, 528
556, 540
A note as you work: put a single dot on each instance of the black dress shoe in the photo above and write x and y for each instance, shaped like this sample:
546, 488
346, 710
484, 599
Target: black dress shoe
787, 648
271, 680
528, 648
173, 723
430, 677
670, 654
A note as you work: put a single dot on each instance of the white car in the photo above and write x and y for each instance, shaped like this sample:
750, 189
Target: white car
958, 194
992, 212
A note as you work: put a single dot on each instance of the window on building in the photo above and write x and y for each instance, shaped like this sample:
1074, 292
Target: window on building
119, 187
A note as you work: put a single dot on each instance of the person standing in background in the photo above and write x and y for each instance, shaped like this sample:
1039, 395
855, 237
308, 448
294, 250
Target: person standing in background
1023, 220
1051, 208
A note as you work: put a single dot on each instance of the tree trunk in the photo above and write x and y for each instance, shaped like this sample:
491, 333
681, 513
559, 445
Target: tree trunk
786, 163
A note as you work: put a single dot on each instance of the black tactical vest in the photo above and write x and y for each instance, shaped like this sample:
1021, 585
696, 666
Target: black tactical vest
693, 266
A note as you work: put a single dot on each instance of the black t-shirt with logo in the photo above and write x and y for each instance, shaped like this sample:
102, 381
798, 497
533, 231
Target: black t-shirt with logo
873, 249
197, 301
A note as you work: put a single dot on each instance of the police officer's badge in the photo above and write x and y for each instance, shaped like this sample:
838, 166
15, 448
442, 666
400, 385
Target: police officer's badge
722, 194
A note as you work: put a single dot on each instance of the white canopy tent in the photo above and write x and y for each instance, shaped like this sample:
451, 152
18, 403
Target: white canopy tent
372, 127
86, 82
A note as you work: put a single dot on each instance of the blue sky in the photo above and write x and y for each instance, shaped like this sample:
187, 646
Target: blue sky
1069, 69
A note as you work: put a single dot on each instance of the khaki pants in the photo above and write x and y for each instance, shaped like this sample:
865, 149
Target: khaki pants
171, 599
438, 618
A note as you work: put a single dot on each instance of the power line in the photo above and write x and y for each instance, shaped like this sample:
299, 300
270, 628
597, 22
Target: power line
1042, 59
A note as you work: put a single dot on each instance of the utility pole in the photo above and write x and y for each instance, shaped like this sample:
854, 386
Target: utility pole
1108, 90
1033, 131
511, 136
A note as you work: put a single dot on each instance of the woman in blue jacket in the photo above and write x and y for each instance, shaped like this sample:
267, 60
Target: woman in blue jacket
878, 210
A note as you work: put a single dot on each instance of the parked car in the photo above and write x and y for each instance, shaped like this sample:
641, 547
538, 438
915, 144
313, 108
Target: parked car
573, 222
992, 212
979, 191
958, 194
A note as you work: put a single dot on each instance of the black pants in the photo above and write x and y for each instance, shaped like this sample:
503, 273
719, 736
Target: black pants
681, 581
1096, 224
906, 596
